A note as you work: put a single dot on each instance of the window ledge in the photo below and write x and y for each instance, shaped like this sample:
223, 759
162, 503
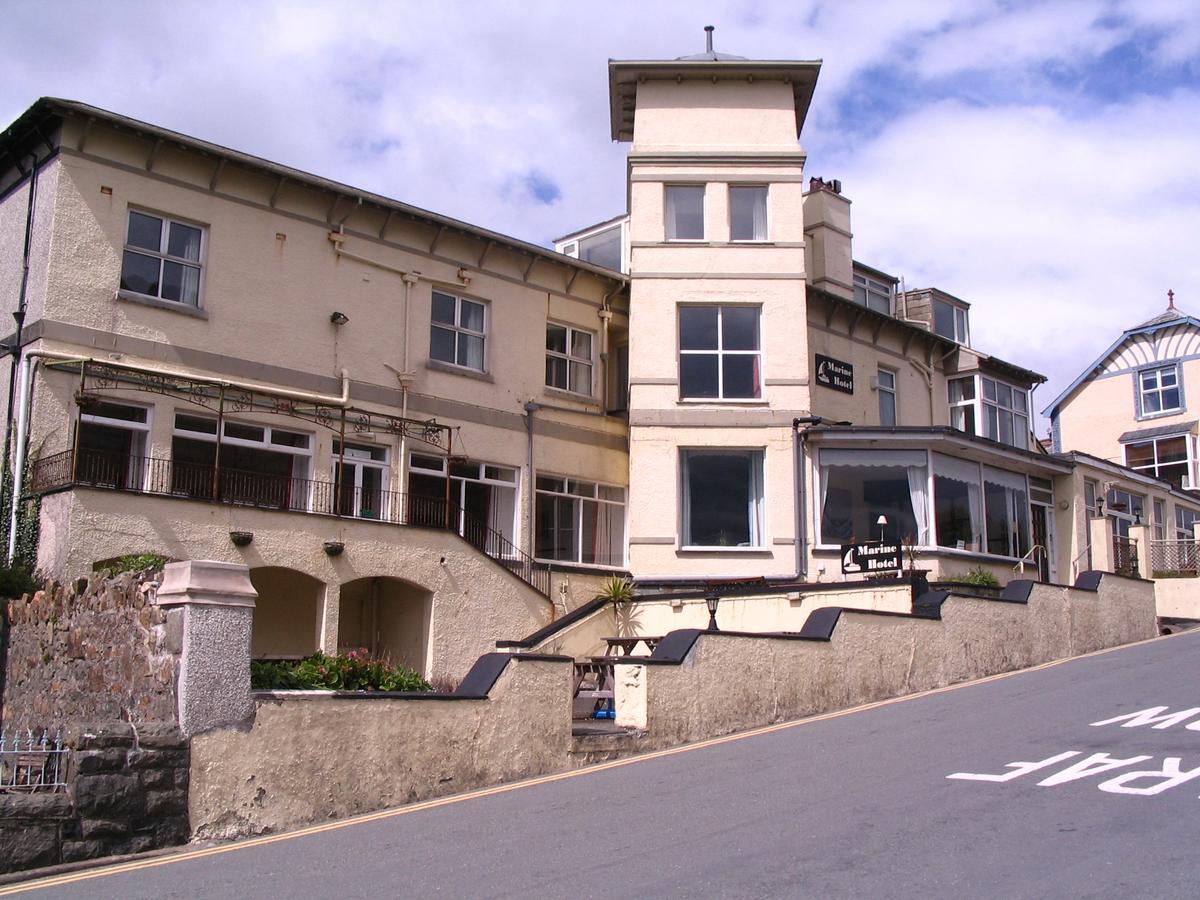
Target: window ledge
942, 551
719, 401
583, 399
712, 550
436, 365
1163, 414
158, 303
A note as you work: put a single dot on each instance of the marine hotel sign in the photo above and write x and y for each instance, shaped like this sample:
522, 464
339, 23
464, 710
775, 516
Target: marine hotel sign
833, 373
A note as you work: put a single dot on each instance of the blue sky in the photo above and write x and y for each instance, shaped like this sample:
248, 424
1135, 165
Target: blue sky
1039, 160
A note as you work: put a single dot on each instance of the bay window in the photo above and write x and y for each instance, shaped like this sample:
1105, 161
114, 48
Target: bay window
1168, 458
722, 498
859, 486
990, 408
1185, 520
1006, 512
957, 503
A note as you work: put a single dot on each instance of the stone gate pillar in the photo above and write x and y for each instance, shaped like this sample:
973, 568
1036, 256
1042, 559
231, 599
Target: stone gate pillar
217, 600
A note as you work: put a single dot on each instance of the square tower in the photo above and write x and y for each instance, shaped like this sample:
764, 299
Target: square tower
718, 358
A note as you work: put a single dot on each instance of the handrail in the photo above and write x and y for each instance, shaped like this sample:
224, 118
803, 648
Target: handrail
1020, 566
195, 481
1075, 562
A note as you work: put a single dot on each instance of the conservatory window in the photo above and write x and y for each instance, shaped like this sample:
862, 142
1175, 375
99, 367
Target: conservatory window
859, 486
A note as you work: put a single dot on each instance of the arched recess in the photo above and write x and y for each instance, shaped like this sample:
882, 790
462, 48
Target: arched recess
287, 613
387, 617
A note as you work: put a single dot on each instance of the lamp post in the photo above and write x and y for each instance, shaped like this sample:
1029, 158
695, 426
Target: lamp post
882, 523
711, 600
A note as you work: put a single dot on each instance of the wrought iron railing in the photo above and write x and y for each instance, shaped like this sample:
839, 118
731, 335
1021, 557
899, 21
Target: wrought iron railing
1125, 556
32, 763
1175, 559
265, 490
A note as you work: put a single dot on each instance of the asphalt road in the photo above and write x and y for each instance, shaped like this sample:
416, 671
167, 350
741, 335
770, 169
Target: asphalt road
873, 803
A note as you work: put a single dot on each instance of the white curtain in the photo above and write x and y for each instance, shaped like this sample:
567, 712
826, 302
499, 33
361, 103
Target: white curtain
760, 215
755, 504
673, 196
975, 504
918, 481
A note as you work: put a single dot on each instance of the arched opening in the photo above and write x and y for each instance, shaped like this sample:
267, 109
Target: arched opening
287, 613
387, 617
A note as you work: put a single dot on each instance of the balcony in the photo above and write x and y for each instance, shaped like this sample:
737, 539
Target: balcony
214, 484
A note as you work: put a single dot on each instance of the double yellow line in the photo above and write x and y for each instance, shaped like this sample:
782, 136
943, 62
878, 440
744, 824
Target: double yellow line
186, 855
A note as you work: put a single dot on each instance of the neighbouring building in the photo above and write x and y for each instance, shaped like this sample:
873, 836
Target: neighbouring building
1125, 418
422, 436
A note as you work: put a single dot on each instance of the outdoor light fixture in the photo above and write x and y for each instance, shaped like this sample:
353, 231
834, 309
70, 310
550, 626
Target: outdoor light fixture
711, 601
241, 538
1099, 507
338, 318
333, 548
882, 523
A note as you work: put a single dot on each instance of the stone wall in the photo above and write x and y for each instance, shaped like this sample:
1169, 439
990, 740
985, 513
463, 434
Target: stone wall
106, 654
699, 685
127, 793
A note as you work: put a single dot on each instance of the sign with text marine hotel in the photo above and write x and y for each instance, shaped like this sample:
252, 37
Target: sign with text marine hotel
834, 373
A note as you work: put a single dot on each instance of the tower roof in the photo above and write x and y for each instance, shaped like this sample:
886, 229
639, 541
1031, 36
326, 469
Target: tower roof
625, 75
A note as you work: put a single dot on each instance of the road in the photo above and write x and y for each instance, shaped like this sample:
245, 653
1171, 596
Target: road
1004, 788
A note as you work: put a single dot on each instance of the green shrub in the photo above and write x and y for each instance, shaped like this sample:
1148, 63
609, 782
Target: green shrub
353, 671
977, 575
16, 580
130, 562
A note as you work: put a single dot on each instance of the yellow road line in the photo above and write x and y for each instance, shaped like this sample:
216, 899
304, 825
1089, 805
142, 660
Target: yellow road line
184, 856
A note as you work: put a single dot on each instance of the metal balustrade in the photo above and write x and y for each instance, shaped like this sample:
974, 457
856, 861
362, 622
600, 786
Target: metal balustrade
265, 490
32, 763
1175, 559
1125, 556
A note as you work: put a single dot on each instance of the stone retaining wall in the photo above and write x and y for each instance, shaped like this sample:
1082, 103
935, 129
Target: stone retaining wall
127, 793
106, 654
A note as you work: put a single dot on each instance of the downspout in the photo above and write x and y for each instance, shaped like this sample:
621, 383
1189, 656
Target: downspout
26, 399
19, 313
405, 377
531, 499
605, 314
798, 443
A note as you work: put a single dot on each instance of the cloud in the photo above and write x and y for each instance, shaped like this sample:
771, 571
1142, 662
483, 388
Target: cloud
1035, 158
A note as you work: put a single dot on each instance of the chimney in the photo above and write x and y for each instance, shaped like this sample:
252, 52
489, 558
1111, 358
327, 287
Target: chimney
827, 257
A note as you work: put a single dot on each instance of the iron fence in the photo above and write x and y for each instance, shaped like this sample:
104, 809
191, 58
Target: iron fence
1125, 556
266, 490
1175, 558
32, 763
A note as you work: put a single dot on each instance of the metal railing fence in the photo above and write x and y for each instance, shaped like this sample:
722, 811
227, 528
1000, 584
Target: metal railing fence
1125, 556
1179, 558
32, 763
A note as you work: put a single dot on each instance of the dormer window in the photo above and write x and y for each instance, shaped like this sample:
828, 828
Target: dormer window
950, 321
989, 408
873, 294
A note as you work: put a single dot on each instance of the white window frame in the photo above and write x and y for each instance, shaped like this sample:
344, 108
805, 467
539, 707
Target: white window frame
1141, 391
720, 352
304, 453
459, 330
1124, 518
982, 405
1185, 532
867, 288
353, 456
1158, 519
458, 485
885, 384
766, 216
140, 430
581, 492
1153, 468
962, 327
756, 521
163, 255
573, 361
669, 224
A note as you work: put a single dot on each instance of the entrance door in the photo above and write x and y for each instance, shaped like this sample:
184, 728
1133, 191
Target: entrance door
1041, 538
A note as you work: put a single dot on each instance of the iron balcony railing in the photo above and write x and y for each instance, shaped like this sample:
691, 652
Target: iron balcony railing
265, 490
1175, 559
1125, 556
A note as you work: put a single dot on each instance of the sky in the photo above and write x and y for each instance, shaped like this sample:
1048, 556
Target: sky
1040, 160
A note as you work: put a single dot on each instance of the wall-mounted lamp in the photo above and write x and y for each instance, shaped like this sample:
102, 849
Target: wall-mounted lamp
333, 548
711, 601
338, 318
241, 538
